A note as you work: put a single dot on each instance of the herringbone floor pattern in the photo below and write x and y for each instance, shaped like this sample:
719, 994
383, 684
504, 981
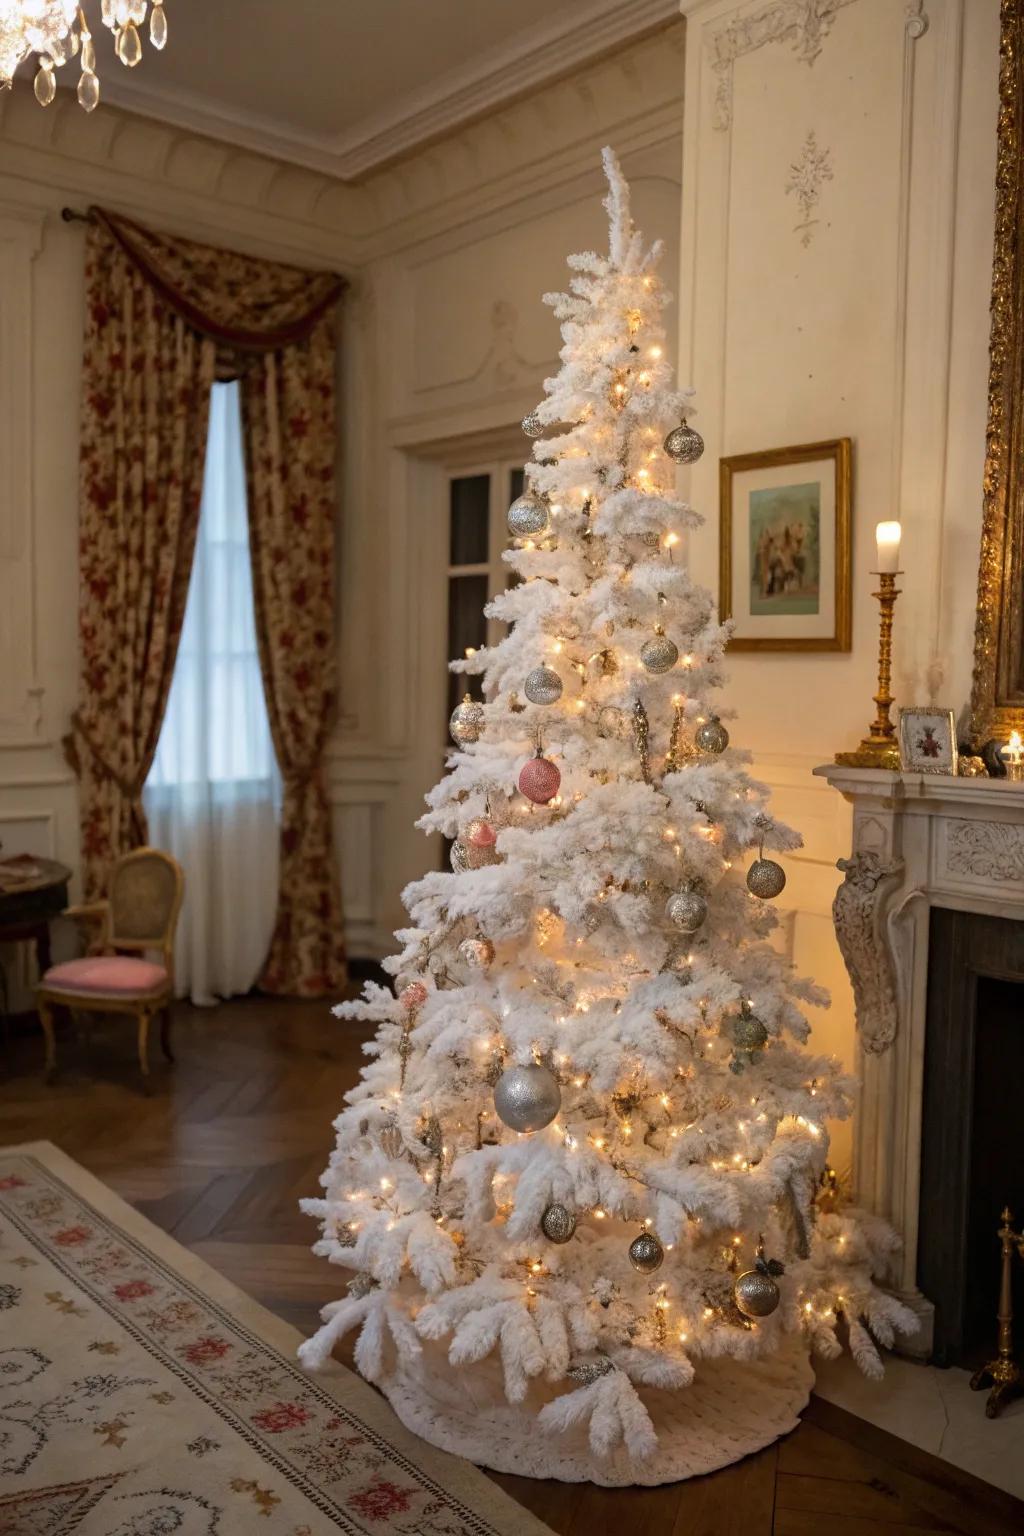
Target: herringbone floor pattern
239, 1128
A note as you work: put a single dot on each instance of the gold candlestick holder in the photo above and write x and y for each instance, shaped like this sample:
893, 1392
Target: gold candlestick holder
879, 748
1003, 1374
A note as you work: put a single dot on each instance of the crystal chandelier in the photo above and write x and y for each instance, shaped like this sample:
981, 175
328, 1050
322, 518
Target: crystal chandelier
57, 30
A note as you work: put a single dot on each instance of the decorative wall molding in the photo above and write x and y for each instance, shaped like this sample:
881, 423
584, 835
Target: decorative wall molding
859, 915
805, 180
632, 96
985, 850
571, 38
805, 24
21, 693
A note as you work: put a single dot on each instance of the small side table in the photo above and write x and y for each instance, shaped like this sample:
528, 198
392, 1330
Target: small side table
32, 892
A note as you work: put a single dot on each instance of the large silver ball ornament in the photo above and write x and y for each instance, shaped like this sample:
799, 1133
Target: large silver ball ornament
527, 516
646, 1253
683, 444
467, 721
687, 910
543, 686
755, 1293
532, 424
660, 654
527, 1098
711, 736
765, 879
558, 1224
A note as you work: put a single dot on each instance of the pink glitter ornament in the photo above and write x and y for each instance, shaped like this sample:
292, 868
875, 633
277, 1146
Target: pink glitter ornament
539, 779
414, 996
480, 833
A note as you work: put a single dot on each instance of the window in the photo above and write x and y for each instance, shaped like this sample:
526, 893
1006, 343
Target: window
216, 729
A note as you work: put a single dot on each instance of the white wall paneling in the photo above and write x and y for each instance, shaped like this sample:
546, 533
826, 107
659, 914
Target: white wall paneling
829, 284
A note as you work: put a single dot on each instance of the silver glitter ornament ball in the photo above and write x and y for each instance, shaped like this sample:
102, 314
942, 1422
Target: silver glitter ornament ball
659, 654
711, 736
687, 910
765, 879
646, 1253
466, 722
527, 1098
748, 1033
755, 1293
558, 1224
532, 424
683, 444
527, 516
477, 953
458, 858
543, 686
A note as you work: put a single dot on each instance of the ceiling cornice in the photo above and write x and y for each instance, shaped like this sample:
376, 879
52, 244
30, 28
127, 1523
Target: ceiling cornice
573, 36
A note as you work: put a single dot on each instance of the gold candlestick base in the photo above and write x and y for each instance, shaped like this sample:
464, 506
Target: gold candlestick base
879, 748
1003, 1374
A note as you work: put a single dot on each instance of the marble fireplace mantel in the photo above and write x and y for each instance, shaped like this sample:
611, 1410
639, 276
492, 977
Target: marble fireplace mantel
919, 840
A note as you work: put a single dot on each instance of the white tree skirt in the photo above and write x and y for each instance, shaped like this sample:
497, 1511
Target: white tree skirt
732, 1408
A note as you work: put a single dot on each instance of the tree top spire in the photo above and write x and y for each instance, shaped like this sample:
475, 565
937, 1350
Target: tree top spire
620, 218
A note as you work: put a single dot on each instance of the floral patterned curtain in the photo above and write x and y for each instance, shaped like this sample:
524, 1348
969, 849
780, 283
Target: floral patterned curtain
288, 427
164, 317
145, 400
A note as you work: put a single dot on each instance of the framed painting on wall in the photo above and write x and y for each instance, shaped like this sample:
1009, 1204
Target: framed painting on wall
784, 548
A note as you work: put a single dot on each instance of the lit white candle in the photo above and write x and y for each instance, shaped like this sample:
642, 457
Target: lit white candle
887, 538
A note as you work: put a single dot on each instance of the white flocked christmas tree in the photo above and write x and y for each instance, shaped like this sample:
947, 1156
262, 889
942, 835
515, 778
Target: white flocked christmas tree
579, 1187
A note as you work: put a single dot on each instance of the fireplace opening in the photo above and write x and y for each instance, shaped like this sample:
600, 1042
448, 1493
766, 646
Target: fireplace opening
972, 1144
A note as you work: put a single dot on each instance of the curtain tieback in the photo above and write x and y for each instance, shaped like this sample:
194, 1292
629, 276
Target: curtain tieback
131, 788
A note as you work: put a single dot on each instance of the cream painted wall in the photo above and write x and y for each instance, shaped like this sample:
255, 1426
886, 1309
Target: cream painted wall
875, 328
445, 345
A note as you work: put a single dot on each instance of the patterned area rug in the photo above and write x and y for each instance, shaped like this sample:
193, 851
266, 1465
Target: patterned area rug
141, 1394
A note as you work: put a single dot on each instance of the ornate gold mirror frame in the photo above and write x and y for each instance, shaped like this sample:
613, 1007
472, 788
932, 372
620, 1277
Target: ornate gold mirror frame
997, 699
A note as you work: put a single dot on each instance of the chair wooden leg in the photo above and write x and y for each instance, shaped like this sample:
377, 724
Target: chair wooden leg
144, 1049
165, 1033
45, 1010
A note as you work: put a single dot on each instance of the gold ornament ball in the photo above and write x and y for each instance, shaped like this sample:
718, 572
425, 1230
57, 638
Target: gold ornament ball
543, 686
748, 1033
558, 1223
765, 879
683, 444
687, 910
477, 953
646, 1253
458, 858
755, 1293
532, 424
480, 833
527, 516
467, 721
711, 735
660, 654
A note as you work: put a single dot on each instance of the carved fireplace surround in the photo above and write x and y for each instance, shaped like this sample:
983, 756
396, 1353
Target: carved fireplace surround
919, 841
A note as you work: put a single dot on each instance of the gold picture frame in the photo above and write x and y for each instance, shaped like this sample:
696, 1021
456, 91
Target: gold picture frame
782, 604
997, 696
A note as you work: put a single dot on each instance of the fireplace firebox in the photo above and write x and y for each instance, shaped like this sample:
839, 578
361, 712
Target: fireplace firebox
972, 1135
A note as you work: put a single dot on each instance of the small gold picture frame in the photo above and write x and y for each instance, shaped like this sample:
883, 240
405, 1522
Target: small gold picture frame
785, 547
927, 740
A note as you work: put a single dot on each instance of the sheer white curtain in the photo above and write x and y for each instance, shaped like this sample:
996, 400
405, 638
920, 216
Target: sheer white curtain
212, 796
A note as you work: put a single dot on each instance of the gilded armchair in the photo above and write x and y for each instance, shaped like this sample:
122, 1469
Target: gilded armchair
140, 916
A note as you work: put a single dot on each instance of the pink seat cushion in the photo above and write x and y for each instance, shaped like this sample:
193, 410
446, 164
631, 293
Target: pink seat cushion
122, 974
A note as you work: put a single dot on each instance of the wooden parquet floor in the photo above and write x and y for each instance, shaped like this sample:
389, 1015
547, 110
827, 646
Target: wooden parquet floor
239, 1128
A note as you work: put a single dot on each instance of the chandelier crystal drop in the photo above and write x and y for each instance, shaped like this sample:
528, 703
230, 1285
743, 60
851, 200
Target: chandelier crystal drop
58, 30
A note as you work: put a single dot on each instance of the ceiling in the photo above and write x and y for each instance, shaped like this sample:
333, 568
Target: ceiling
344, 86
